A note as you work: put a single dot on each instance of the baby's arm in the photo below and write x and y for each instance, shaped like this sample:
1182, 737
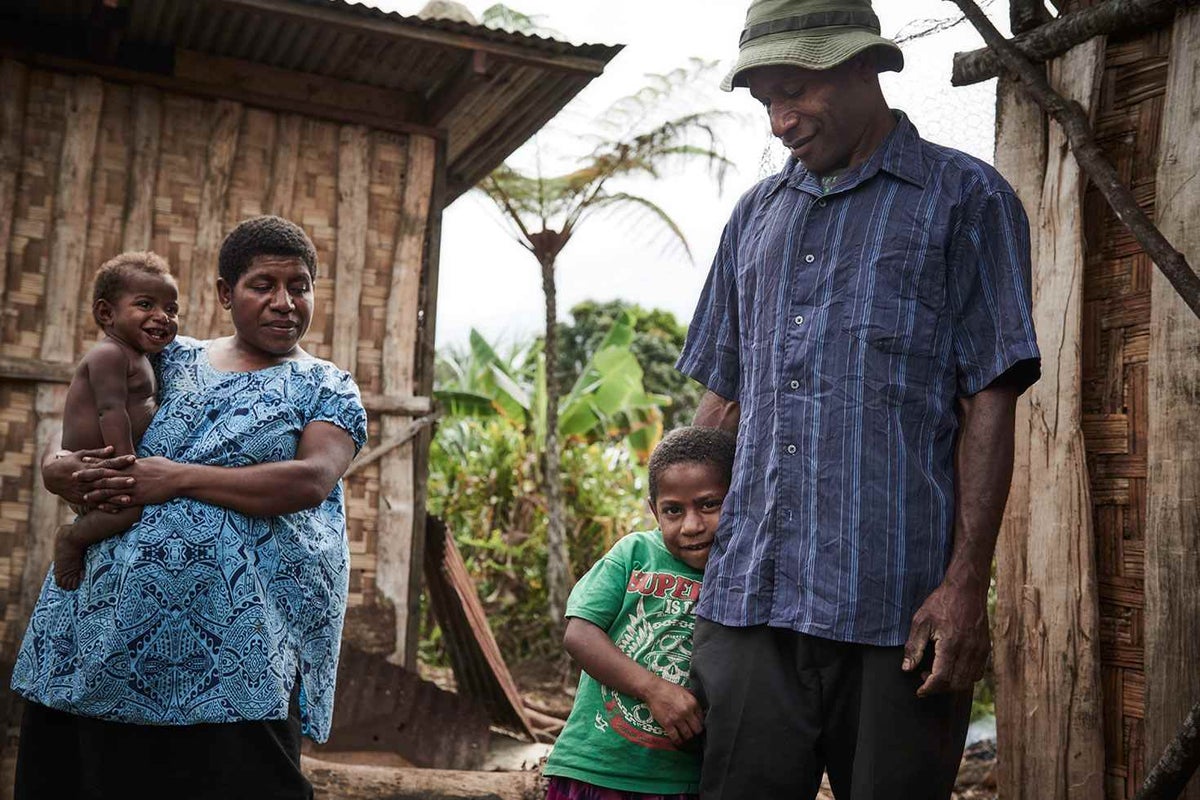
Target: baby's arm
108, 377
675, 708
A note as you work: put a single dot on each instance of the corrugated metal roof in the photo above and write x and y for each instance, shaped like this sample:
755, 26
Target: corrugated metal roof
529, 79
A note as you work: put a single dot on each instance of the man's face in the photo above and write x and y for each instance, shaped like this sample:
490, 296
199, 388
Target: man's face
821, 116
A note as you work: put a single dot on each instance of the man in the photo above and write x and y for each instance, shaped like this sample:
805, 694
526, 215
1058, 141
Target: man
866, 331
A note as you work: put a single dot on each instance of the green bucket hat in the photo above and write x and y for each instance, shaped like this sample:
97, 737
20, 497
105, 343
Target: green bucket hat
813, 34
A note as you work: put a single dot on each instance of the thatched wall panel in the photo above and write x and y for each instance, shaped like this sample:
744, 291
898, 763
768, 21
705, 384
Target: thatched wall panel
174, 173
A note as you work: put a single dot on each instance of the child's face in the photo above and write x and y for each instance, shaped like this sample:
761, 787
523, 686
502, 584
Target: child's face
688, 509
145, 315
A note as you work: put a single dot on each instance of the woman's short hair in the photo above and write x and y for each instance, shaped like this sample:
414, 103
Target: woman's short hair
692, 445
264, 236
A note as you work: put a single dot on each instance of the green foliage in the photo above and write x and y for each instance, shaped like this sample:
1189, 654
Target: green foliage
607, 397
483, 483
657, 341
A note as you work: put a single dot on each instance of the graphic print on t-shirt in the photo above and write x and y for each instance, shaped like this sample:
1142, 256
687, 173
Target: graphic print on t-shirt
658, 636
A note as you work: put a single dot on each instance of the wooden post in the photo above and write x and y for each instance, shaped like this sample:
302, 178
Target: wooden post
143, 173
426, 361
398, 574
354, 153
1063, 757
14, 82
1172, 615
1021, 158
199, 316
283, 167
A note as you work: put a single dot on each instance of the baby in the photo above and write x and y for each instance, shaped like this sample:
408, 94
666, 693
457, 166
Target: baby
113, 395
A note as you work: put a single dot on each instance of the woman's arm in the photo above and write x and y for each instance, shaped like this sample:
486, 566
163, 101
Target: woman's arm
674, 707
260, 490
61, 468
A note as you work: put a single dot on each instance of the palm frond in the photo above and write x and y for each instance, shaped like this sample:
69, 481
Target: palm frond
625, 201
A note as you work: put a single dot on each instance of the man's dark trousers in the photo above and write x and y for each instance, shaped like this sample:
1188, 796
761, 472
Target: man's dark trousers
781, 707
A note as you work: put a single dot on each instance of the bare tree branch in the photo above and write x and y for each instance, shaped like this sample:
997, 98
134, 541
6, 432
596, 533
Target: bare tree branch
1169, 777
1091, 158
1060, 35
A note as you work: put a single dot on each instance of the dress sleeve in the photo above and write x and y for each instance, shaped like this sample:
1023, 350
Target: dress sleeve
991, 298
339, 403
599, 595
711, 354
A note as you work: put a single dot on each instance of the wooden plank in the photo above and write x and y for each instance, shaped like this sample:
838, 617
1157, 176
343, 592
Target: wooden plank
1020, 157
353, 156
1106, 433
1172, 617
143, 171
258, 84
68, 235
35, 369
199, 316
395, 404
381, 450
220, 91
1063, 755
283, 166
398, 575
14, 82
426, 362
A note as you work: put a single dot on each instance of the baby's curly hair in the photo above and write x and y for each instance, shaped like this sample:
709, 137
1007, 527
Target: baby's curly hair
111, 278
692, 445
264, 236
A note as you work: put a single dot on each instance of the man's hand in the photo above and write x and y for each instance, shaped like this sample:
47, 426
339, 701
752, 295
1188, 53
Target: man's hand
676, 709
63, 475
954, 619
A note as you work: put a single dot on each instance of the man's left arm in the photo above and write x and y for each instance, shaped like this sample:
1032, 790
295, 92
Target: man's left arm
954, 618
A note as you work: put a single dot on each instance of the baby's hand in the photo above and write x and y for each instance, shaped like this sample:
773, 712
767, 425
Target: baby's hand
677, 710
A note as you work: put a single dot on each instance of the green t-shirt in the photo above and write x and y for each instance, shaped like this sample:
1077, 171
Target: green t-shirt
643, 597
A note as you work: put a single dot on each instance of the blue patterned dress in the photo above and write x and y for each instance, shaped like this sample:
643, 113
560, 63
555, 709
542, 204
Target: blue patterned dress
198, 613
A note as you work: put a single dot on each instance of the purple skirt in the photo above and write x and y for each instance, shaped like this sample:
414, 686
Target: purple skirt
569, 789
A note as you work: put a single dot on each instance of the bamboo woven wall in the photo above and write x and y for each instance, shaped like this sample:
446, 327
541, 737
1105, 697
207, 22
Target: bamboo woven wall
89, 168
1116, 338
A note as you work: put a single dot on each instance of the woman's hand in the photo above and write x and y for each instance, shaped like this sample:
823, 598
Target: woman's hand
146, 482
69, 475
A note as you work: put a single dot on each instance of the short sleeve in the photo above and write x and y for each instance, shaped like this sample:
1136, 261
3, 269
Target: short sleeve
990, 297
599, 595
711, 354
339, 403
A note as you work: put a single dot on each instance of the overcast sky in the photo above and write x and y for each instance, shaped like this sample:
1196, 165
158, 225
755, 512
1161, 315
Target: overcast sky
490, 283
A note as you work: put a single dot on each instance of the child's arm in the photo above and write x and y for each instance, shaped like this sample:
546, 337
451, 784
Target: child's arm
108, 377
675, 708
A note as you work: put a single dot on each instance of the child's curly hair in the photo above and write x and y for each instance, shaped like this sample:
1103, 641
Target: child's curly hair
111, 278
264, 236
692, 445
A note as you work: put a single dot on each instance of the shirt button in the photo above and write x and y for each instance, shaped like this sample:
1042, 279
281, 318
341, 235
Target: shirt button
791, 448
821, 203
810, 258
794, 384
799, 320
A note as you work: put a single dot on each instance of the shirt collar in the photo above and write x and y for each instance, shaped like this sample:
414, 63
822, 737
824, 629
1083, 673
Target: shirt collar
900, 155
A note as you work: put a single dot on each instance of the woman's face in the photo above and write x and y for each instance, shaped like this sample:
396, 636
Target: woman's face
271, 304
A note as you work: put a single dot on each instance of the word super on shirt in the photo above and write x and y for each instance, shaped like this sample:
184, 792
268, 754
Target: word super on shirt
644, 598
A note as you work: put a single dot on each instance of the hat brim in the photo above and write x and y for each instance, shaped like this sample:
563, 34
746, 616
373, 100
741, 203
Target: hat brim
822, 49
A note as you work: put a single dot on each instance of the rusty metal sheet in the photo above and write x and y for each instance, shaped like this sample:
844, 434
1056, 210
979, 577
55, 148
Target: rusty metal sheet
479, 667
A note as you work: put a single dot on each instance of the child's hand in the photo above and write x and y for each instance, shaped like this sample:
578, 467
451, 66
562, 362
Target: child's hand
676, 709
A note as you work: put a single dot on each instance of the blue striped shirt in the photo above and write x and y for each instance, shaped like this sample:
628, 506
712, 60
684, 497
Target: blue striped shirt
846, 323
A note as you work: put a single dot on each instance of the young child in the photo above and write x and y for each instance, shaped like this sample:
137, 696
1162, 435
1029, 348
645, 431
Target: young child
113, 395
630, 626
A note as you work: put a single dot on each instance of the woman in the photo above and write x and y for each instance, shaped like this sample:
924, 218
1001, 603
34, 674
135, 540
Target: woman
204, 641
